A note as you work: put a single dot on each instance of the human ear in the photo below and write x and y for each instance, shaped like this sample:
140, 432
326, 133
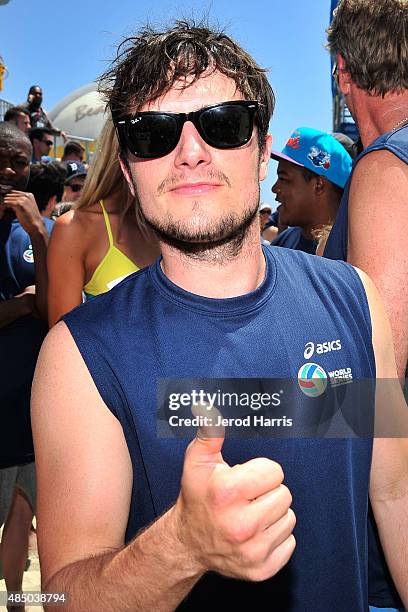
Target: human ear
124, 165
264, 158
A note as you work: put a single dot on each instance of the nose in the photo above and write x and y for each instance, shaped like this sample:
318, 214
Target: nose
5, 168
274, 188
191, 149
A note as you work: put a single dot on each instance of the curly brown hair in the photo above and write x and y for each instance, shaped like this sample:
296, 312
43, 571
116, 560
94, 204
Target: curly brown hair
148, 65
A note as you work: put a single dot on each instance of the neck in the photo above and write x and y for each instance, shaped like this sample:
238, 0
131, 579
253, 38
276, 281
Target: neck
307, 231
216, 275
36, 155
376, 116
324, 213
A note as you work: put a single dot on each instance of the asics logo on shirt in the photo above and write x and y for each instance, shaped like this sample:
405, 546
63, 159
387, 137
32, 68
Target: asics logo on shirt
320, 348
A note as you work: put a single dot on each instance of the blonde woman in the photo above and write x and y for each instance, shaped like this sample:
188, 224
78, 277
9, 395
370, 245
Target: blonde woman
102, 240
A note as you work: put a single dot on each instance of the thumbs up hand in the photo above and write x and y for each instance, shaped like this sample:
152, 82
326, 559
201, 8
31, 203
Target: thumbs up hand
234, 520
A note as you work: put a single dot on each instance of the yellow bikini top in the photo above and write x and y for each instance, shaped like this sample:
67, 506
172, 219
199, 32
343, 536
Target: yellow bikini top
113, 268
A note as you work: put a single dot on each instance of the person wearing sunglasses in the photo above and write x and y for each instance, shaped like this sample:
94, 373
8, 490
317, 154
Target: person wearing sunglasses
74, 182
42, 140
164, 520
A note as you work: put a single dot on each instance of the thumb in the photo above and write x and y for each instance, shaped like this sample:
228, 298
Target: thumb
207, 445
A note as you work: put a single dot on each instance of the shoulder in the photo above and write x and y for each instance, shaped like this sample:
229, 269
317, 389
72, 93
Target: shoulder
379, 177
289, 235
49, 224
75, 223
321, 271
387, 151
130, 295
302, 262
379, 160
71, 231
290, 231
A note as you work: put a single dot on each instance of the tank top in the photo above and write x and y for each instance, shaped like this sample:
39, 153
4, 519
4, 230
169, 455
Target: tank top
382, 592
149, 329
112, 269
397, 143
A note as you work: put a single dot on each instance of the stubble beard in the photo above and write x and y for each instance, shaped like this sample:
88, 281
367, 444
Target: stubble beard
218, 242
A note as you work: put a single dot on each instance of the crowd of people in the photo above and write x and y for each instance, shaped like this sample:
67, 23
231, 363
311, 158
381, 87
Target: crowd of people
158, 263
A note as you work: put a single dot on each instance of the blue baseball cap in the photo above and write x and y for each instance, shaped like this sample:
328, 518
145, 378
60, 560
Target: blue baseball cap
74, 169
319, 152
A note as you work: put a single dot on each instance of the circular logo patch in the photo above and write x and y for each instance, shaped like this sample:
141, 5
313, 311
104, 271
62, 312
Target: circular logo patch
28, 255
312, 379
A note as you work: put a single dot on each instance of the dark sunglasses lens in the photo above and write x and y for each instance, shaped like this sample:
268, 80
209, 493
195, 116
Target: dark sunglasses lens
76, 188
49, 143
152, 135
226, 126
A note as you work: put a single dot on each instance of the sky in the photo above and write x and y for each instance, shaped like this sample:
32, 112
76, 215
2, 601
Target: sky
62, 45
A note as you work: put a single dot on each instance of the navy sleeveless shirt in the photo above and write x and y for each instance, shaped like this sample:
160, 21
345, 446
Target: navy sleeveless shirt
147, 329
382, 592
397, 143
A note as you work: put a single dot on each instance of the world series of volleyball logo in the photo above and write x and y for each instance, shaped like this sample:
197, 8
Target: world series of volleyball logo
312, 379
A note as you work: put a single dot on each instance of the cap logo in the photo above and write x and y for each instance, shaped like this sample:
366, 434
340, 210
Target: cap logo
294, 141
319, 158
74, 166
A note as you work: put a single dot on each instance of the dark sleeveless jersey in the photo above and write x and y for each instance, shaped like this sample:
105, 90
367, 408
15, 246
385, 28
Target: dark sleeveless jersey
397, 143
147, 329
382, 592
20, 343
291, 238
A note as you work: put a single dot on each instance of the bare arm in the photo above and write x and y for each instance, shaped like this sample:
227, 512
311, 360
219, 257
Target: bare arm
378, 222
236, 521
39, 243
25, 207
79, 455
16, 307
389, 470
54, 129
66, 273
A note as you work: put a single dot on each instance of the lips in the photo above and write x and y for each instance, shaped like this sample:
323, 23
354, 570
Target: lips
194, 189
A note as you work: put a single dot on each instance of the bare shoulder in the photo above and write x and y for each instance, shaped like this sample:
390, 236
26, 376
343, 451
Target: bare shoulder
378, 170
382, 157
77, 227
77, 217
58, 350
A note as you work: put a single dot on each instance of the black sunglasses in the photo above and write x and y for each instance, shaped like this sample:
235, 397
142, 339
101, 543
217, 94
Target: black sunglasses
48, 142
75, 188
153, 134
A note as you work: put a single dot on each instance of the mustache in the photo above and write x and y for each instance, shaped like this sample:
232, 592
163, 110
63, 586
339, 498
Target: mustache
212, 176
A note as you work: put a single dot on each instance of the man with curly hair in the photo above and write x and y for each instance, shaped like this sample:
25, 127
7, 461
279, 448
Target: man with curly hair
156, 523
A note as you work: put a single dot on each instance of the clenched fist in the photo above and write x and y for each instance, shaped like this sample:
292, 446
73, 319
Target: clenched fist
26, 210
235, 520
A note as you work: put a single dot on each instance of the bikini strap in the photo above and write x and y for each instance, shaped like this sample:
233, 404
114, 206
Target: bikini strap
107, 223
